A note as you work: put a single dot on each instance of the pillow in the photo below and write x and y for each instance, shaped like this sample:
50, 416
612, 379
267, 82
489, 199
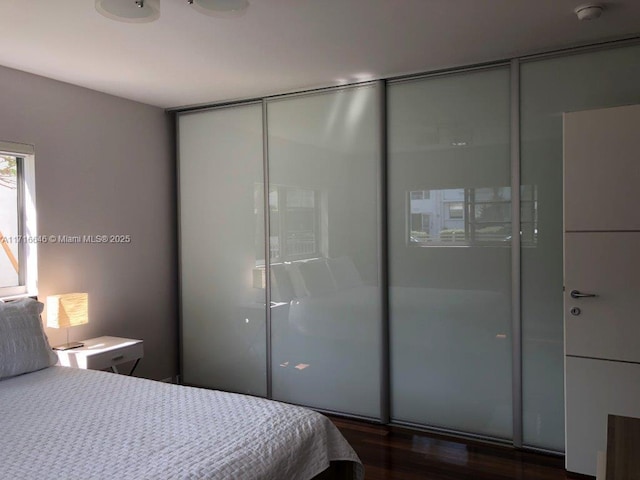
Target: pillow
24, 347
281, 286
297, 282
317, 277
344, 272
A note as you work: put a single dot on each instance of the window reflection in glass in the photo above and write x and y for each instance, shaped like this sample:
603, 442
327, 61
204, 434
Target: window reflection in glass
294, 217
468, 216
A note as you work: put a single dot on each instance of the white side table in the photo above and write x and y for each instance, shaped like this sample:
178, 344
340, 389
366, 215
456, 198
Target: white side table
103, 353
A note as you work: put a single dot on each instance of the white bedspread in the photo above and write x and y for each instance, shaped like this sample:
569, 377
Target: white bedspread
65, 424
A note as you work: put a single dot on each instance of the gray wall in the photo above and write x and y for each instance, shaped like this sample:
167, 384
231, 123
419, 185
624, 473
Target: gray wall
104, 165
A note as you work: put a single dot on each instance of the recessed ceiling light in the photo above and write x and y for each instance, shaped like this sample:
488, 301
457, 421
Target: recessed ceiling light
130, 11
221, 8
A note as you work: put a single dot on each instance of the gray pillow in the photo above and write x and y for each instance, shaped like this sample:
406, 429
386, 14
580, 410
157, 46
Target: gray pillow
297, 282
344, 272
317, 277
23, 345
281, 286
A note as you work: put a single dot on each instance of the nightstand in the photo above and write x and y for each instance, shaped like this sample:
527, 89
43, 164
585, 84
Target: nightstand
103, 353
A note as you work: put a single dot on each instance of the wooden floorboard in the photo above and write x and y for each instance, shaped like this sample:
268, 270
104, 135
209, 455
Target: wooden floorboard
394, 453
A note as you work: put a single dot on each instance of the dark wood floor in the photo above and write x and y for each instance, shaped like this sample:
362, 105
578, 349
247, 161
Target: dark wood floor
391, 453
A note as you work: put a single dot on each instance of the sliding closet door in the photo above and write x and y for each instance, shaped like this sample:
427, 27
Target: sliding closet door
449, 252
222, 249
324, 157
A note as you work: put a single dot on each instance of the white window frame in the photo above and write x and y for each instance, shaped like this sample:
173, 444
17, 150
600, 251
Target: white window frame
27, 219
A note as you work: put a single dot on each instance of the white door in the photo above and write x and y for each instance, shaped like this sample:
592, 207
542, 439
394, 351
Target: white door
601, 276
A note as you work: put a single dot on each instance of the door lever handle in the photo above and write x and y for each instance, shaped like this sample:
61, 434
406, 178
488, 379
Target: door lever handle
577, 294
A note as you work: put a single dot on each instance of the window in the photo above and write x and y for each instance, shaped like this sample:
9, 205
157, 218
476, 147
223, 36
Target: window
17, 220
455, 210
419, 228
421, 195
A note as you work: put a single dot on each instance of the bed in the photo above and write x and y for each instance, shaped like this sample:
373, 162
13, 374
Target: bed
59, 422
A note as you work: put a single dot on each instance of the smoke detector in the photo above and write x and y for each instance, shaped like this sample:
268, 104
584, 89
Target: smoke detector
589, 11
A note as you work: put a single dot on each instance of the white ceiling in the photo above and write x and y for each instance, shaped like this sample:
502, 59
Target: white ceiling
277, 46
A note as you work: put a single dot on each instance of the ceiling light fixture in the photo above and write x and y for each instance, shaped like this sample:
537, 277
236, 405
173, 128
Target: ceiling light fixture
130, 11
220, 8
144, 11
589, 11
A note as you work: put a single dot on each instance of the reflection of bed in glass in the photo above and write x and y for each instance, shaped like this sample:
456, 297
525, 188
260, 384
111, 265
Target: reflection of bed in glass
328, 328
325, 336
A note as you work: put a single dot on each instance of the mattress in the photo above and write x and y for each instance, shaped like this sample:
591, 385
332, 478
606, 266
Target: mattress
67, 423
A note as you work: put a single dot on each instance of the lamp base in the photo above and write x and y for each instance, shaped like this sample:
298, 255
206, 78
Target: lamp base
69, 346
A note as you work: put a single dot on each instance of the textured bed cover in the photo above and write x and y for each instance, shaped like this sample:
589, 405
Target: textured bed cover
67, 423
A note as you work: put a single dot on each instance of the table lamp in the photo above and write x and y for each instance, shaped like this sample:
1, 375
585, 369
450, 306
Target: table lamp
65, 311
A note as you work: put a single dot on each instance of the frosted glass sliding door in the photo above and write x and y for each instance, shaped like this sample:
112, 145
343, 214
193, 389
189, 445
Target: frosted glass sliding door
222, 249
449, 252
324, 157
549, 87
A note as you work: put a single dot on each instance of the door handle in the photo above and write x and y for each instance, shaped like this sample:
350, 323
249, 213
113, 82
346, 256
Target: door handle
577, 294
